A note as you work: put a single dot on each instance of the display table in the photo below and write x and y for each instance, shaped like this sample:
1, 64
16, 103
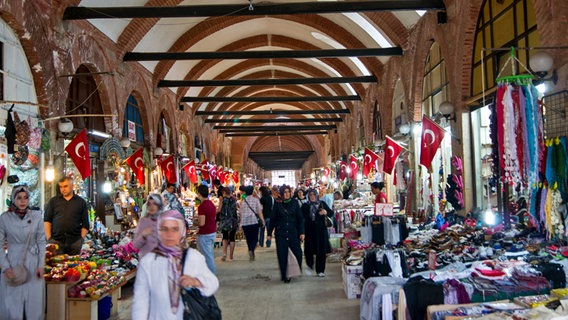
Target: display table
55, 299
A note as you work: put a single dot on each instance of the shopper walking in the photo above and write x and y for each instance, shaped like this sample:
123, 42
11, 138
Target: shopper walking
146, 234
315, 213
251, 218
206, 221
21, 228
66, 219
300, 195
288, 221
159, 278
267, 202
228, 222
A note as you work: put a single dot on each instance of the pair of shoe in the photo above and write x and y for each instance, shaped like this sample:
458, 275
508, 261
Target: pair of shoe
268, 242
224, 257
321, 274
308, 271
251, 255
287, 280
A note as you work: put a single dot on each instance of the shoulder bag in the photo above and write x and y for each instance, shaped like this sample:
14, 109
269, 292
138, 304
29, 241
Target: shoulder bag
256, 214
195, 305
21, 273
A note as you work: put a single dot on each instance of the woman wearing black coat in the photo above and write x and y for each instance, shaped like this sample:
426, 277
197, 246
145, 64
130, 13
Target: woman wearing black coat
288, 221
317, 236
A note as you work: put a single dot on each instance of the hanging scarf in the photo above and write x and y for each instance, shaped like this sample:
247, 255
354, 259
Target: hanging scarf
173, 254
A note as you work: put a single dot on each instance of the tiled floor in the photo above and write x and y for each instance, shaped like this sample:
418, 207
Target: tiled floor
253, 290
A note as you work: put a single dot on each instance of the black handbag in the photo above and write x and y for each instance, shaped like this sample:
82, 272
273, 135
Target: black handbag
195, 305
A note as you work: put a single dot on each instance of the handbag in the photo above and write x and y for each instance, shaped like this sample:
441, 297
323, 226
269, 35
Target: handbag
328, 222
256, 214
21, 273
195, 305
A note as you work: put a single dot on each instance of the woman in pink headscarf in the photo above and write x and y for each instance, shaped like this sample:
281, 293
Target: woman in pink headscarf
159, 278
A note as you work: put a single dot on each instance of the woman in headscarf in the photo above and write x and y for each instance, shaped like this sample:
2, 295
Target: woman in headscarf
315, 213
288, 221
159, 277
251, 218
146, 234
17, 225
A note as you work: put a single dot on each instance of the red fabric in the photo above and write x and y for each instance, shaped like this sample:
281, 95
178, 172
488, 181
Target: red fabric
207, 209
490, 273
392, 150
432, 136
342, 170
326, 171
204, 169
353, 166
213, 172
190, 171
169, 169
500, 120
236, 176
369, 162
222, 176
78, 150
136, 163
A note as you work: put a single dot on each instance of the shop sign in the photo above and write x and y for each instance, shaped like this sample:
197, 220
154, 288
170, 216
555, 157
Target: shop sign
131, 130
384, 209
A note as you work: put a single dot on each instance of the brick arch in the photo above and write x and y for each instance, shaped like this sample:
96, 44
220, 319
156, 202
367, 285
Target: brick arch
165, 107
137, 85
390, 26
297, 141
30, 42
142, 108
209, 26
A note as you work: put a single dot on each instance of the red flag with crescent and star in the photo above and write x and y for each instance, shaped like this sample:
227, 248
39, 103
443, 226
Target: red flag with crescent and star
236, 176
189, 169
326, 171
169, 169
432, 136
204, 169
213, 172
78, 150
342, 170
136, 163
221, 176
353, 166
370, 161
392, 150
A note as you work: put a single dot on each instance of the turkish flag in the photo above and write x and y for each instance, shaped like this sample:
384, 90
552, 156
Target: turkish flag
432, 136
326, 171
222, 176
392, 150
169, 168
204, 169
370, 161
213, 172
78, 150
236, 176
189, 169
353, 166
136, 163
342, 170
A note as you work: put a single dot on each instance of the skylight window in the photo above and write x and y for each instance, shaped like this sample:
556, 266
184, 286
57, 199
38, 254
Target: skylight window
370, 29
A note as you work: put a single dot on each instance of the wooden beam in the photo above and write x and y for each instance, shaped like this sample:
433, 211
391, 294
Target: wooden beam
261, 54
269, 134
224, 129
264, 82
272, 99
270, 112
237, 120
78, 13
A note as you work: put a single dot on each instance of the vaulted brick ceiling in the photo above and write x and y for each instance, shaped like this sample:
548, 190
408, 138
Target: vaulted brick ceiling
376, 29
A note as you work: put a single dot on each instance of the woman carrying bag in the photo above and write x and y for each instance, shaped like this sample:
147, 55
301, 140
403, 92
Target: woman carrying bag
316, 213
251, 219
160, 277
22, 290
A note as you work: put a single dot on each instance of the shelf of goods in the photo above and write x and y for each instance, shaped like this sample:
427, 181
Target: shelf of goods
78, 286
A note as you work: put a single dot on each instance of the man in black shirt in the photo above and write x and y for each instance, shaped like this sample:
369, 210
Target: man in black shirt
66, 219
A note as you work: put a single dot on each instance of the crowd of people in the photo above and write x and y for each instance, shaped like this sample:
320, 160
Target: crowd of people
290, 217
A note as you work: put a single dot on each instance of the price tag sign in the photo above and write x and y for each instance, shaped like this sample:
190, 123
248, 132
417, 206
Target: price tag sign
384, 209
131, 130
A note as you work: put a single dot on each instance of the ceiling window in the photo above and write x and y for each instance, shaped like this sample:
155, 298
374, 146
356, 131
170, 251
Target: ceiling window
132, 127
501, 24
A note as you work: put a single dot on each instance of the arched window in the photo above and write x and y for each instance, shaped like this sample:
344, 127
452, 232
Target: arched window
164, 135
501, 24
435, 84
132, 126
